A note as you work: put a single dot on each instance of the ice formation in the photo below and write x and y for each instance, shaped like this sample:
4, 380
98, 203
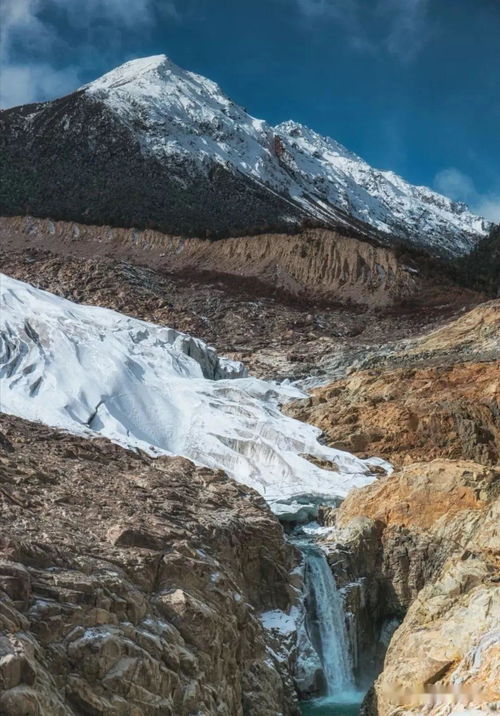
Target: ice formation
93, 371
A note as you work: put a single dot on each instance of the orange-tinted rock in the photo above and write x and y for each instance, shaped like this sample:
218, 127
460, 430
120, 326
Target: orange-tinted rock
406, 415
426, 546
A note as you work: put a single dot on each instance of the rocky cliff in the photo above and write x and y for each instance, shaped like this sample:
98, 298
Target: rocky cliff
130, 585
421, 548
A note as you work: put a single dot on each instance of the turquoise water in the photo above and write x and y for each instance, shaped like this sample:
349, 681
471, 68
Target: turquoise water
329, 706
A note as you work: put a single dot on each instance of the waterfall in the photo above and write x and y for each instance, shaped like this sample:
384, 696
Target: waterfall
326, 623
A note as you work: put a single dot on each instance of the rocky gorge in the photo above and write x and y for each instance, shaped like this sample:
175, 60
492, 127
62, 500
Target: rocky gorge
134, 584
140, 585
416, 553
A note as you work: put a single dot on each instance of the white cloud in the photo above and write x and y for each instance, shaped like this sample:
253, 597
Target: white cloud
345, 12
455, 184
27, 42
131, 13
489, 207
458, 186
20, 27
20, 84
408, 26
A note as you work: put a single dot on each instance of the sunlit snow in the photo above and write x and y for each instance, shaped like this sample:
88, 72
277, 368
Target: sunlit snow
94, 371
173, 112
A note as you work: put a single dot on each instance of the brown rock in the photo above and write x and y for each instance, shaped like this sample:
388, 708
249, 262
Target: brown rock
423, 546
406, 416
138, 593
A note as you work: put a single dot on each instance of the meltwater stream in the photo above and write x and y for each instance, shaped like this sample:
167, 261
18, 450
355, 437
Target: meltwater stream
330, 622
326, 627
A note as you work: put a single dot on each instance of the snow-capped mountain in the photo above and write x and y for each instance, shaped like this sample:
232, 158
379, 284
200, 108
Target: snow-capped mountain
382, 199
151, 144
93, 371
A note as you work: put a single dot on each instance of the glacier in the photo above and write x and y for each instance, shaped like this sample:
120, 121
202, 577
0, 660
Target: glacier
95, 372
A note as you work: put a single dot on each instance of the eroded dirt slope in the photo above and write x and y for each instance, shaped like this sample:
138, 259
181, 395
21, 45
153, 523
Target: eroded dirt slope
313, 264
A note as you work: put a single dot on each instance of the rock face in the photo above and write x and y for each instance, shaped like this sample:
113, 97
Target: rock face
422, 547
413, 414
158, 147
416, 553
131, 586
436, 396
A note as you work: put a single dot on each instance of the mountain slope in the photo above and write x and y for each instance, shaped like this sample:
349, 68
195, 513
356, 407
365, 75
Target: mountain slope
382, 199
481, 268
152, 145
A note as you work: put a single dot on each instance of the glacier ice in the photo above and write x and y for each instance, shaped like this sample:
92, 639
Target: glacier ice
93, 371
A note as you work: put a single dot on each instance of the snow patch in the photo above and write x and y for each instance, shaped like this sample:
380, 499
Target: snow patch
279, 621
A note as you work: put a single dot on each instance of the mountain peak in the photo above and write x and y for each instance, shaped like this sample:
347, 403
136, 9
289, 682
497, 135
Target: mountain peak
160, 91
130, 71
155, 119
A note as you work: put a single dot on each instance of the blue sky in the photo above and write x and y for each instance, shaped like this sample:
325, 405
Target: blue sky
410, 85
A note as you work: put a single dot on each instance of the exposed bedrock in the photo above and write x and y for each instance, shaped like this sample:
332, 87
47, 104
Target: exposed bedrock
434, 396
412, 414
131, 586
421, 548
416, 554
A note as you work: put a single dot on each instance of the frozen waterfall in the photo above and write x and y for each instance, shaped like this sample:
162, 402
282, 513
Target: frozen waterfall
326, 623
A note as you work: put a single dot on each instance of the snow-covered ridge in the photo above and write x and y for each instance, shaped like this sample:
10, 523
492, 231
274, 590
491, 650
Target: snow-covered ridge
176, 113
93, 371
380, 198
